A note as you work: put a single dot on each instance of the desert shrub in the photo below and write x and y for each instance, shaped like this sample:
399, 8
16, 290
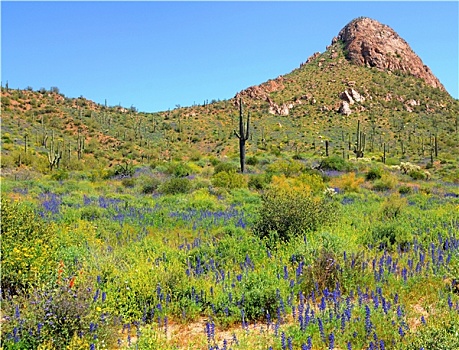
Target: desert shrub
287, 210
373, 174
178, 169
52, 319
392, 207
288, 168
229, 180
253, 160
324, 271
436, 335
392, 161
150, 185
333, 163
260, 296
91, 213
388, 235
417, 174
59, 175
175, 186
125, 169
386, 182
405, 189
348, 182
128, 182
27, 249
259, 181
225, 166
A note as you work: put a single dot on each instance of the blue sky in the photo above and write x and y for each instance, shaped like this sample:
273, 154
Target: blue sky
156, 55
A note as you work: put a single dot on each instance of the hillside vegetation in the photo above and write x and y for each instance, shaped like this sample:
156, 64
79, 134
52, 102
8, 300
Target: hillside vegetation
126, 229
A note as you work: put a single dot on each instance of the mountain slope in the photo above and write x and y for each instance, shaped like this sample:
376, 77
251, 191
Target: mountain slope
322, 100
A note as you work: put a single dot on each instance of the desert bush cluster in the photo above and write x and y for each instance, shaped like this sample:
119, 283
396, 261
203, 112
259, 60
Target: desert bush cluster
286, 256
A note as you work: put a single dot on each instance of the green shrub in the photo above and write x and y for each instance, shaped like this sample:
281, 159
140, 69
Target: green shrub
91, 213
324, 271
253, 160
440, 333
287, 211
259, 295
417, 175
175, 186
386, 182
259, 181
333, 163
229, 180
128, 182
288, 168
388, 235
392, 161
178, 169
392, 207
224, 166
405, 189
60, 175
373, 174
150, 185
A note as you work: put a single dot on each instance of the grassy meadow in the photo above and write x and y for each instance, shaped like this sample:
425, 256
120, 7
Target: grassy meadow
194, 255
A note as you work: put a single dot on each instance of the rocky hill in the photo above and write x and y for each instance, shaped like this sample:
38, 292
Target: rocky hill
368, 74
370, 43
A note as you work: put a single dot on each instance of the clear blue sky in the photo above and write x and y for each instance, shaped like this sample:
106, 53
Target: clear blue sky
155, 55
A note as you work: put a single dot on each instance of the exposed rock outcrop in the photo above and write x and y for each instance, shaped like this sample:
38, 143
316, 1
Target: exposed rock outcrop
368, 42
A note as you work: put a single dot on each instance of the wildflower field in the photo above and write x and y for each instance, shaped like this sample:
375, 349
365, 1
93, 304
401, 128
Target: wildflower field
283, 257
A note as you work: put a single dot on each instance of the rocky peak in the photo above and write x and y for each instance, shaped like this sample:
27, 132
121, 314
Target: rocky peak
370, 43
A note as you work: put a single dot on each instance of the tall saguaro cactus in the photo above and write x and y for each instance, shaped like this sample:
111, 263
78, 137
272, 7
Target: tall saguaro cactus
54, 154
359, 147
243, 135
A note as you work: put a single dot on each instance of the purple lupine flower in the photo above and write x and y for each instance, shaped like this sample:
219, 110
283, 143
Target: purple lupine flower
104, 296
349, 345
283, 341
399, 312
321, 328
96, 296
404, 271
322, 304
331, 339
290, 343
309, 342
285, 273
423, 320
382, 346
368, 324
343, 322
17, 313
450, 302
401, 332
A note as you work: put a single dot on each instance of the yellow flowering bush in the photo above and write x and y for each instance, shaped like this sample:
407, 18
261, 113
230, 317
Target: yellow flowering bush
27, 248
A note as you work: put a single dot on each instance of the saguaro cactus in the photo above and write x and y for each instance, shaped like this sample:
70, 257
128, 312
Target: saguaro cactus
54, 154
243, 135
359, 147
